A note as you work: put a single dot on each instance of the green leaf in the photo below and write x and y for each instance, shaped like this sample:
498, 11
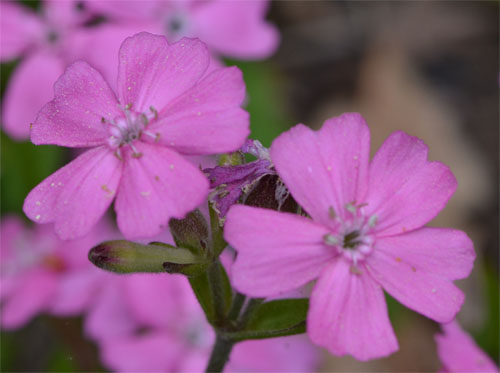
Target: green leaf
279, 314
264, 334
274, 319
123, 256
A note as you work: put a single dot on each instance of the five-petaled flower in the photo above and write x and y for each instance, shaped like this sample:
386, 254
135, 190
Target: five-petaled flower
166, 105
366, 233
236, 29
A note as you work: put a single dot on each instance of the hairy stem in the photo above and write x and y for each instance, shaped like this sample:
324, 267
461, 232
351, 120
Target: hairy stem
220, 354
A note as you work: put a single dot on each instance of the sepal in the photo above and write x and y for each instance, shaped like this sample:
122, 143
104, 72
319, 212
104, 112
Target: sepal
191, 232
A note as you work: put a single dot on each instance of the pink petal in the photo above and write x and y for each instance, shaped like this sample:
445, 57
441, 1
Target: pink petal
77, 195
151, 72
75, 291
459, 352
32, 295
20, 29
152, 352
406, 191
417, 269
127, 11
74, 117
65, 14
211, 110
99, 46
277, 252
236, 28
141, 296
109, 317
197, 360
11, 231
327, 168
28, 90
156, 187
285, 354
348, 314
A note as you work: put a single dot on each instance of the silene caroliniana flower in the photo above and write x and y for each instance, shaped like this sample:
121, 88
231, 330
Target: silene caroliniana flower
458, 352
235, 29
146, 322
165, 107
41, 273
45, 42
365, 233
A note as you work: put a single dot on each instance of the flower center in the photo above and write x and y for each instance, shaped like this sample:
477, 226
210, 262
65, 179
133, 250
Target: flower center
352, 238
26, 255
127, 129
176, 26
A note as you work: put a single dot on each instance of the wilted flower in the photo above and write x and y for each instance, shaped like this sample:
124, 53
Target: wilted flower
230, 182
365, 234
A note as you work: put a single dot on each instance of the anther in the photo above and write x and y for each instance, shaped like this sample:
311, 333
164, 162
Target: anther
154, 111
350, 207
372, 221
331, 212
331, 240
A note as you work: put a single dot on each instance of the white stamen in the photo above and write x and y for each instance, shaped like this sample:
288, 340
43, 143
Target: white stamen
331, 240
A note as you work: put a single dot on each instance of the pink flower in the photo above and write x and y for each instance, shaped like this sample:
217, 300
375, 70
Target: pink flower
365, 234
47, 42
231, 28
154, 323
40, 273
459, 352
164, 107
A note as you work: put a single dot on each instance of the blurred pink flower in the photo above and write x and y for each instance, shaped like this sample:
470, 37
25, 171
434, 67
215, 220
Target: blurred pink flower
231, 28
166, 106
47, 42
40, 273
459, 352
366, 233
148, 322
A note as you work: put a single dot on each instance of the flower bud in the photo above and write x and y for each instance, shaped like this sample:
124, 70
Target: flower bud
123, 256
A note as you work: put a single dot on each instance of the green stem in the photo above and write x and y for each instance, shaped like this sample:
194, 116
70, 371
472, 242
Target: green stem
215, 284
220, 354
238, 301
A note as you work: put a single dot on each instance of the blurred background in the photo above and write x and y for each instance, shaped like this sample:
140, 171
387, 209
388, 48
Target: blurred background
428, 68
